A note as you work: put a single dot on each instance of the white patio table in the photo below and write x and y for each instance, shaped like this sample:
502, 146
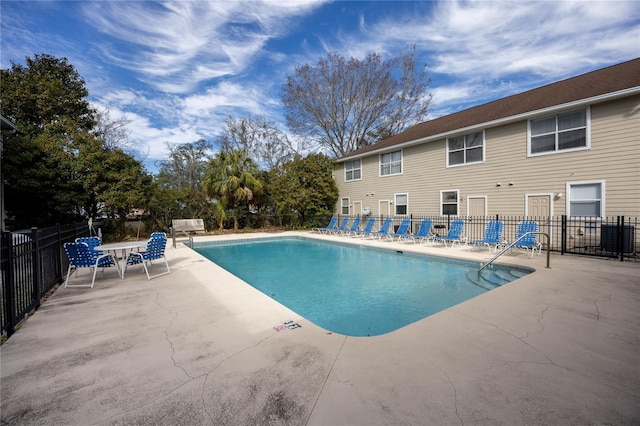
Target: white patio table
124, 246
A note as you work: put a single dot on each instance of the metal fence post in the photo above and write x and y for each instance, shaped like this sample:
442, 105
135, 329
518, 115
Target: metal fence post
60, 249
37, 273
620, 238
563, 239
9, 305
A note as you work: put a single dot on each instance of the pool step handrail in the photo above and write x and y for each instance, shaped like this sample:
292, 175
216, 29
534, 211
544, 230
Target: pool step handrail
508, 246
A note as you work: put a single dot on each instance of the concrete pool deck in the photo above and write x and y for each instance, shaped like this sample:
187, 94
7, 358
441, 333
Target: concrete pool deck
560, 346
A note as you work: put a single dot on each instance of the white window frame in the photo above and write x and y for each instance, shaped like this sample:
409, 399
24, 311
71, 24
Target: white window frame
587, 128
342, 206
457, 191
353, 170
391, 163
396, 204
465, 149
569, 185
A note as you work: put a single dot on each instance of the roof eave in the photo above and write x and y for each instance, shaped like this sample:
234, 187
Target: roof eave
7, 124
501, 121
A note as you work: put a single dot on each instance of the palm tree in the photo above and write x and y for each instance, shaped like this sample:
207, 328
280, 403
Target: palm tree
232, 178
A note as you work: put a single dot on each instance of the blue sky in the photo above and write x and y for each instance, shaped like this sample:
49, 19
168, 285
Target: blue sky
176, 70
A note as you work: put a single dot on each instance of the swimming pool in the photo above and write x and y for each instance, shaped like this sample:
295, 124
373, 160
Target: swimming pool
350, 289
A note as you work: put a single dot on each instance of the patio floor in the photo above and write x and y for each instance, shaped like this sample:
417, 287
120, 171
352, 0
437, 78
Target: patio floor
560, 346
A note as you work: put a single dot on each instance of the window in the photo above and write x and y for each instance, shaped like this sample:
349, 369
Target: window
449, 202
562, 132
401, 202
465, 149
585, 199
344, 204
353, 170
391, 163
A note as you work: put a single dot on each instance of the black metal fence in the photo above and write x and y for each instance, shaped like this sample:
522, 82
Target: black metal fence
32, 262
613, 236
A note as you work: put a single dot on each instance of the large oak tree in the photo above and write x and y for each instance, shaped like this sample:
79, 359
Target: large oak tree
57, 168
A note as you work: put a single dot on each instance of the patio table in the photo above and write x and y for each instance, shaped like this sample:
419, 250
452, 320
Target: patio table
124, 246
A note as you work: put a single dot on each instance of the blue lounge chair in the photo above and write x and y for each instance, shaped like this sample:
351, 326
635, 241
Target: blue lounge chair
353, 228
402, 230
341, 227
368, 228
332, 224
424, 231
492, 236
92, 242
383, 231
528, 241
453, 236
154, 251
81, 256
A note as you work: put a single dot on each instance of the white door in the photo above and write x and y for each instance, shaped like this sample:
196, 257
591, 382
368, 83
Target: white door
477, 211
357, 208
384, 207
476, 206
540, 208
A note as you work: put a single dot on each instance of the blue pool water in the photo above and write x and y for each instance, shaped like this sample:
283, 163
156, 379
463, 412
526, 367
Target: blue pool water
353, 290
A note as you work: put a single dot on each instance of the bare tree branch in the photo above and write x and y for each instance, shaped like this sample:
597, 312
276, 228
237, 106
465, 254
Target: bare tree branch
345, 105
264, 142
113, 132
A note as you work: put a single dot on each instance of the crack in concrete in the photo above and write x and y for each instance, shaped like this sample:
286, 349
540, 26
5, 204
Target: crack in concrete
595, 303
168, 339
540, 318
173, 350
190, 377
455, 392
521, 339
153, 401
549, 360
222, 361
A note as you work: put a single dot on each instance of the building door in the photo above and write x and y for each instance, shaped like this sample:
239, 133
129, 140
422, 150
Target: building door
540, 208
357, 208
384, 207
476, 206
477, 211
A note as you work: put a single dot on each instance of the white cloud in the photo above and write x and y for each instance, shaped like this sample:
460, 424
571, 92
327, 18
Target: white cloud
175, 46
477, 48
497, 39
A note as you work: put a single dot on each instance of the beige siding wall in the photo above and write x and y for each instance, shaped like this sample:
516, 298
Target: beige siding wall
614, 158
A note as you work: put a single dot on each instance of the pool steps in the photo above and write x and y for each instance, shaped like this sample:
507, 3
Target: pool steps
490, 279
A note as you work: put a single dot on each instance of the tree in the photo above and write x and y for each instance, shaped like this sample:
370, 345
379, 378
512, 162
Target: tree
179, 192
305, 186
345, 105
47, 93
113, 132
57, 167
232, 178
46, 100
263, 141
185, 168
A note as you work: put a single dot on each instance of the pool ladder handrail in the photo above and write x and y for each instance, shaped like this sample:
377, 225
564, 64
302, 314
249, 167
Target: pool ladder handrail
510, 245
